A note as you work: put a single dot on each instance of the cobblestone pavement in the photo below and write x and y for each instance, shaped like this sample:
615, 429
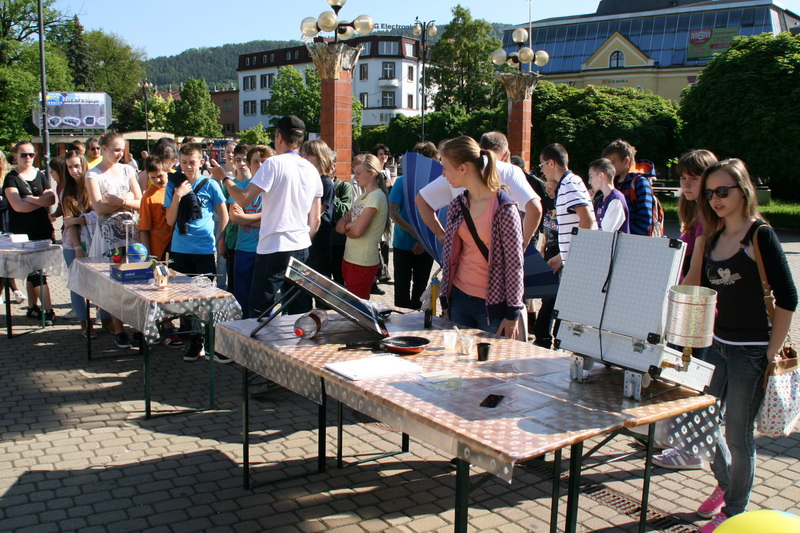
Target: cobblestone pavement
75, 454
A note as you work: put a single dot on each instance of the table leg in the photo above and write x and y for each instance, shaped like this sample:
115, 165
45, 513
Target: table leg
462, 496
405, 444
323, 432
144, 349
555, 491
245, 428
210, 355
7, 289
89, 327
573, 490
339, 435
648, 466
41, 297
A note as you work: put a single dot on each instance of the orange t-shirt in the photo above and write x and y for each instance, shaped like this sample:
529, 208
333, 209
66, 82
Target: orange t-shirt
152, 218
473, 269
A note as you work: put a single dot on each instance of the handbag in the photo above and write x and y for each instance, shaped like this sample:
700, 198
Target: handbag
780, 409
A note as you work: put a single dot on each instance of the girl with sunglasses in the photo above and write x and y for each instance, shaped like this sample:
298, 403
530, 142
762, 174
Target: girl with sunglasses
745, 340
29, 196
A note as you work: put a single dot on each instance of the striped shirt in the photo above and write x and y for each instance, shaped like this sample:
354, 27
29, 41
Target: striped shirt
571, 193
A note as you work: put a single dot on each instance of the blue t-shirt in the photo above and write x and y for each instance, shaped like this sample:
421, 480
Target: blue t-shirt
247, 241
402, 239
199, 239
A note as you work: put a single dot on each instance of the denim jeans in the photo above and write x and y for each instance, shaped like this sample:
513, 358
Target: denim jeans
739, 384
470, 312
78, 301
269, 279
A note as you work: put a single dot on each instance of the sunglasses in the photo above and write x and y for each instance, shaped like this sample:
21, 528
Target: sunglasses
26, 154
94, 148
721, 192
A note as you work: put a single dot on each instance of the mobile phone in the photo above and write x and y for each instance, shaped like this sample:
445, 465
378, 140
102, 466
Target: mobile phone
492, 400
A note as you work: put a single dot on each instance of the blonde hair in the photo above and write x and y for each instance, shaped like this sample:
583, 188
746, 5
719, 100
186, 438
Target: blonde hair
464, 150
4, 165
321, 150
372, 164
692, 163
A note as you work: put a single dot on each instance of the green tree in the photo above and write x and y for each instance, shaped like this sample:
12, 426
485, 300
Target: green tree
296, 94
195, 113
78, 55
745, 104
59, 77
586, 120
159, 113
116, 67
255, 135
19, 23
17, 92
461, 70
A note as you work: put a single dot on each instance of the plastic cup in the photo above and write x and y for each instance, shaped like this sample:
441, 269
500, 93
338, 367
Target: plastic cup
450, 338
483, 351
466, 345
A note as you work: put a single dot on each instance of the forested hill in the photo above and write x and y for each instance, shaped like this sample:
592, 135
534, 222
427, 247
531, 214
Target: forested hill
217, 64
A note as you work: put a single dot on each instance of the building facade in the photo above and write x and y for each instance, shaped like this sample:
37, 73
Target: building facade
386, 80
227, 100
656, 45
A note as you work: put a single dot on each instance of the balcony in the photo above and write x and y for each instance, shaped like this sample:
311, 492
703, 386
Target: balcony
388, 82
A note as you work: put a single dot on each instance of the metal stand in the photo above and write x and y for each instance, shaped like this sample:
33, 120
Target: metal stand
405, 443
285, 299
7, 290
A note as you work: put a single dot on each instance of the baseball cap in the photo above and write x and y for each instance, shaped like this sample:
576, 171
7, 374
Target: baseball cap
291, 122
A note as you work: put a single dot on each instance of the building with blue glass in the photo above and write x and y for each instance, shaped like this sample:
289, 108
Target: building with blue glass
657, 45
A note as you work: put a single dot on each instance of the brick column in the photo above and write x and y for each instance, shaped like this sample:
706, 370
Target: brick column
519, 89
335, 63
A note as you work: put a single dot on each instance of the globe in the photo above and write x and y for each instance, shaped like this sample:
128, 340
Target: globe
136, 253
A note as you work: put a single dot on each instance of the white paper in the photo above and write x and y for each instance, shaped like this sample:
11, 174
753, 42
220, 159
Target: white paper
373, 367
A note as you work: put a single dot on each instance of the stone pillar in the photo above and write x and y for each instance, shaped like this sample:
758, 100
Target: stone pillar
335, 63
519, 89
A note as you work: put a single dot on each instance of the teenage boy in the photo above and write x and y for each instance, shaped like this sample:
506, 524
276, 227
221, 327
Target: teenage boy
573, 204
192, 206
633, 181
610, 207
292, 192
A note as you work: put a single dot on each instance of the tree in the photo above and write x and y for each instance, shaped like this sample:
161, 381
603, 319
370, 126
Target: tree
159, 113
586, 120
296, 94
116, 66
19, 23
17, 91
461, 71
59, 77
78, 55
745, 104
195, 113
255, 135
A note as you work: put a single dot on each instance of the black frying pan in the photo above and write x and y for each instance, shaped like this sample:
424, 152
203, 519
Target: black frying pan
403, 345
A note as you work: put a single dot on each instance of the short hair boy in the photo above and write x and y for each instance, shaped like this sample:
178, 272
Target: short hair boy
610, 206
634, 185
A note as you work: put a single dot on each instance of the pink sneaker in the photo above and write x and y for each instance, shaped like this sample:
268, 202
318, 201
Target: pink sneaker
711, 526
713, 504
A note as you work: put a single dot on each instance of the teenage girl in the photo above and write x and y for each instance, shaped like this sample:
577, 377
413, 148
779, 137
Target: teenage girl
29, 196
364, 225
481, 290
17, 296
745, 340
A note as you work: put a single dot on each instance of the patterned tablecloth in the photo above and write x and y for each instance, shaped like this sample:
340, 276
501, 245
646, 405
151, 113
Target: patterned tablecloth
543, 409
19, 262
142, 305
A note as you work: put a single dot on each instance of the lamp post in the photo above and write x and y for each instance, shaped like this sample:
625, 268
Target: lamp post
146, 86
335, 62
424, 30
519, 87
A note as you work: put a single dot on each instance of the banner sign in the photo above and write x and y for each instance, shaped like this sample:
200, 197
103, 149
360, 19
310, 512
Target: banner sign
706, 43
75, 111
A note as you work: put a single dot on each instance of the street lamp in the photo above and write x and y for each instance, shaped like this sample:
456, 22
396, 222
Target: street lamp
524, 54
328, 21
424, 30
146, 86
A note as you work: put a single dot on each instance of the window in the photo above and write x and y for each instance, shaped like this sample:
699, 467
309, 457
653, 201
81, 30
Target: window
297, 54
264, 58
388, 70
411, 74
288, 55
270, 80
264, 81
249, 83
410, 101
617, 60
247, 61
388, 48
364, 99
409, 49
249, 107
264, 105
363, 71
367, 47
387, 99
227, 105
272, 58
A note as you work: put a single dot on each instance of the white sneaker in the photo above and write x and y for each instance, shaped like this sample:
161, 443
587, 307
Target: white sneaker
676, 459
18, 297
70, 314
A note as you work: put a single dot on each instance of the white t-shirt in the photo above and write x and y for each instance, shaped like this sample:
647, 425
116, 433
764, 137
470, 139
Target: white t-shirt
439, 193
290, 184
571, 193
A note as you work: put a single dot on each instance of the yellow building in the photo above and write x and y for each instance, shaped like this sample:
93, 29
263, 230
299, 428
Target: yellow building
656, 45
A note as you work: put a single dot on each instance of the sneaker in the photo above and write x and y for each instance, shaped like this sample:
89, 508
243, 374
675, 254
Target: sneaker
85, 330
172, 341
711, 526
49, 317
713, 505
122, 340
70, 314
221, 359
676, 459
18, 297
34, 312
377, 290
194, 352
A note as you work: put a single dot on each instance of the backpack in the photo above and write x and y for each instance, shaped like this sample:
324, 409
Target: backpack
657, 222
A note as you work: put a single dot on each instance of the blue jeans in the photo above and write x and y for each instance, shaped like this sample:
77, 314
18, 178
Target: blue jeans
470, 312
243, 266
269, 278
739, 384
78, 301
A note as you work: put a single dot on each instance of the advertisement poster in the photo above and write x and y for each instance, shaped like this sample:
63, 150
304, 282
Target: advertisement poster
706, 43
75, 111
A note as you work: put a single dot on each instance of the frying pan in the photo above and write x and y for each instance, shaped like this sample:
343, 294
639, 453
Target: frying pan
404, 345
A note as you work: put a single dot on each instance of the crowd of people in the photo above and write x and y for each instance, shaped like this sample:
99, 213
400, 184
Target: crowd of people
243, 220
